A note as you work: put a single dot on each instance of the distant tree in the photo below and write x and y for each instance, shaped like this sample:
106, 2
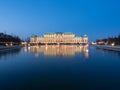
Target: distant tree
111, 40
5, 38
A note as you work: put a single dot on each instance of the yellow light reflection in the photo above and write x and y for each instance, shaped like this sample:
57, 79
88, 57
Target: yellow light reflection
54, 50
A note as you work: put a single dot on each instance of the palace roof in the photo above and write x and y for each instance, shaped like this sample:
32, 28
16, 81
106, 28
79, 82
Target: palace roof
68, 33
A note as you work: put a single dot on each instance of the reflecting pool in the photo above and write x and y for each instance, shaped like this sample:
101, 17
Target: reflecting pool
65, 67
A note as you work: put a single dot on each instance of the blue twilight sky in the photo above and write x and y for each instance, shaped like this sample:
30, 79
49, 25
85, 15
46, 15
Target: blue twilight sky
96, 18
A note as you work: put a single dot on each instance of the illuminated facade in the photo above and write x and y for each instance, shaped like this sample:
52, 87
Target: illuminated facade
59, 38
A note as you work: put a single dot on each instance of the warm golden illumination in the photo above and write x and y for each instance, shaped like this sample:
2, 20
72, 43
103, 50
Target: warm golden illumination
6, 44
59, 38
62, 50
113, 44
11, 44
87, 50
24, 43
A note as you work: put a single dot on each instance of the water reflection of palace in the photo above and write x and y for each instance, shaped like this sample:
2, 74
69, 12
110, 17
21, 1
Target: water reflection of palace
62, 50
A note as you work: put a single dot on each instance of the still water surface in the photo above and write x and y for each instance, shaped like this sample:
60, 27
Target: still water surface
59, 68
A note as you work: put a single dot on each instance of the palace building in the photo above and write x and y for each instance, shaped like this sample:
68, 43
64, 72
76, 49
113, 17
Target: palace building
59, 38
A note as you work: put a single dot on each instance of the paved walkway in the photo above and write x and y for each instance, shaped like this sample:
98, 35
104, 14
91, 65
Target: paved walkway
114, 48
9, 47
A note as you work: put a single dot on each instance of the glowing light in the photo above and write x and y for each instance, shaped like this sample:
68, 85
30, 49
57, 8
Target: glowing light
6, 44
50, 50
113, 44
93, 43
11, 44
28, 48
87, 50
46, 47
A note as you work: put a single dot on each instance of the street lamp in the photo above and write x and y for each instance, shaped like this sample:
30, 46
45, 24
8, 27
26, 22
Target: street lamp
113, 44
